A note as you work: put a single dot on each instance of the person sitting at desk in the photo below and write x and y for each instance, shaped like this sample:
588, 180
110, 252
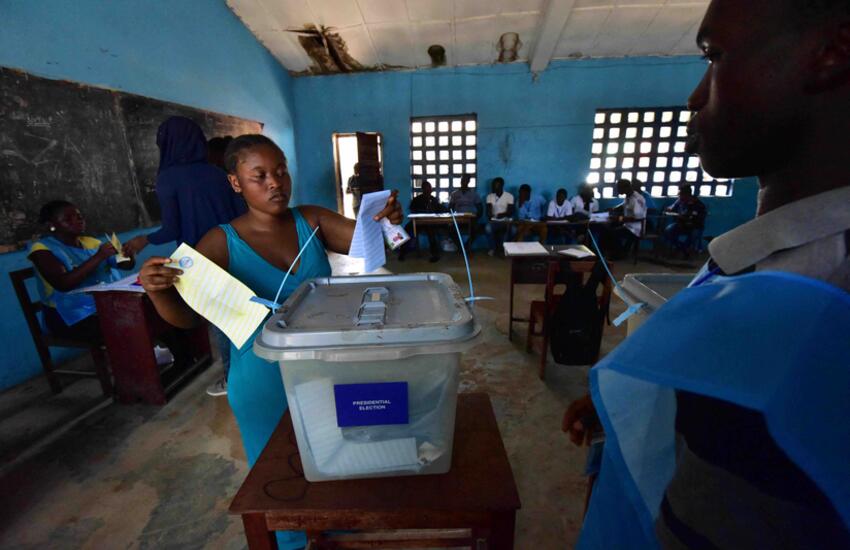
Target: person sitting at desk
424, 203
500, 210
690, 215
560, 209
466, 201
627, 227
257, 248
584, 203
647, 198
66, 260
532, 210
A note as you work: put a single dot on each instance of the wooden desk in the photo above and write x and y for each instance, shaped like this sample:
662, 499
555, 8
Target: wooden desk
130, 324
442, 219
544, 269
477, 498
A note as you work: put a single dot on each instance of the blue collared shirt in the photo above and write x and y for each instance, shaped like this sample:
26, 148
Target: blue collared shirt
532, 209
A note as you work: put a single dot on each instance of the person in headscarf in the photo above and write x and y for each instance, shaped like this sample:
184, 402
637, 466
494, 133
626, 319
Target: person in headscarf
194, 196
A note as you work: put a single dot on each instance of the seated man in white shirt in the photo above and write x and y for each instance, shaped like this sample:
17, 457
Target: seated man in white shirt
500, 210
560, 209
626, 223
584, 203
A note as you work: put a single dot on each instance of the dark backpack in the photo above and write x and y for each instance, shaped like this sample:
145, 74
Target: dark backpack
576, 327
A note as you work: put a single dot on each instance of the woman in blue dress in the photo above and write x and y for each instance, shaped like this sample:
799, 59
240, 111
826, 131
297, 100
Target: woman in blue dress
257, 248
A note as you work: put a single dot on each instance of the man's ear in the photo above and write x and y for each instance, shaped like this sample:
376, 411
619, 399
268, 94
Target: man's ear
234, 183
832, 63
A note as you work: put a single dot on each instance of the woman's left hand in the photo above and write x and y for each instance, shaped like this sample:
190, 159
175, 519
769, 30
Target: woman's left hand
392, 211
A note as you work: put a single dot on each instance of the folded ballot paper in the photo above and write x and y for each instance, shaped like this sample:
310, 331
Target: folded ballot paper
336, 456
217, 296
116, 244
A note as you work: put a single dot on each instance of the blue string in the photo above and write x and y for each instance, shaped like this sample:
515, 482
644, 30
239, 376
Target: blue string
602, 257
633, 308
465, 259
275, 305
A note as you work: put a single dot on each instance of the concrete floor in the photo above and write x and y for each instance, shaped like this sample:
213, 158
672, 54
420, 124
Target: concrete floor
163, 477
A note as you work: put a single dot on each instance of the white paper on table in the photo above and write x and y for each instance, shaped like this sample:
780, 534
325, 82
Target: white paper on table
127, 284
317, 407
579, 251
599, 217
368, 240
525, 249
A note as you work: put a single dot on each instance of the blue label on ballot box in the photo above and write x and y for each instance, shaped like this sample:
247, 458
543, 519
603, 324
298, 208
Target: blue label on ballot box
371, 404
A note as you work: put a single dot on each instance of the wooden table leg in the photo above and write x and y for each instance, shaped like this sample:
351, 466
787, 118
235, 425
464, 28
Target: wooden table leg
511, 307
551, 271
129, 340
502, 531
257, 532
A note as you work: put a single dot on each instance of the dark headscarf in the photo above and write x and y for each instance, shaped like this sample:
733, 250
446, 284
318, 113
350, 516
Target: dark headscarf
180, 141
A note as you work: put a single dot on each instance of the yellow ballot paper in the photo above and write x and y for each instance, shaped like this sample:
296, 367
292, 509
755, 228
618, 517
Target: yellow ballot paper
116, 244
217, 296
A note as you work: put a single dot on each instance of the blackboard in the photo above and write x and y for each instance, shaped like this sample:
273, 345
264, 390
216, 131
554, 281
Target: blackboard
91, 146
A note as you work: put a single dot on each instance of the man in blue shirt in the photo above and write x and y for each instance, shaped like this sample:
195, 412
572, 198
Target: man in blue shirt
531, 214
690, 213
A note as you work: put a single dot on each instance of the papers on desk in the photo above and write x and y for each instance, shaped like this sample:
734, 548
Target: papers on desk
525, 249
578, 251
368, 240
599, 217
127, 284
217, 296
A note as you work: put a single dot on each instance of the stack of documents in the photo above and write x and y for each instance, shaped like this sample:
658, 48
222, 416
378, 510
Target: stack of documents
525, 249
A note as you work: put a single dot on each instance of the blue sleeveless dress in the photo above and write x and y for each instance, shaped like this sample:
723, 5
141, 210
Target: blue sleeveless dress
254, 386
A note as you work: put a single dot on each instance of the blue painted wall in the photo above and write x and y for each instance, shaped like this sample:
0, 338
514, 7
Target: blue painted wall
535, 131
194, 52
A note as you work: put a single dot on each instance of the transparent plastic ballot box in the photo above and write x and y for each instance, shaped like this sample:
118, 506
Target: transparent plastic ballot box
652, 289
370, 367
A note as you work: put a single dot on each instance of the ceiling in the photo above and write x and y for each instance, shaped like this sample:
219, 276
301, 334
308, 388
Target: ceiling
395, 34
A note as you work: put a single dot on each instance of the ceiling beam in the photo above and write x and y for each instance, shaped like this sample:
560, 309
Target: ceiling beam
554, 19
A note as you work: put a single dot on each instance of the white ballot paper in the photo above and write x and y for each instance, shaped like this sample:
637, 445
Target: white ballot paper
368, 240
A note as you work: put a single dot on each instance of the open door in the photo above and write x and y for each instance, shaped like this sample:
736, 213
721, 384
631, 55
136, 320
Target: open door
363, 149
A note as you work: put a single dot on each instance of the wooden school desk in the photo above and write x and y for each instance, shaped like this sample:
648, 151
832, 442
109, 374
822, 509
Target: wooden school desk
129, 324
475, 503
441, 219
550, 269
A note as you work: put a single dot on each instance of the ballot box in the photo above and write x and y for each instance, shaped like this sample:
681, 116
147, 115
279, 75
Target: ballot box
370, 366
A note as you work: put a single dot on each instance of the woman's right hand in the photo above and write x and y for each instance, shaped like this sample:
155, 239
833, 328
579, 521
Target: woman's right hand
105, 251
580, 420
156, 277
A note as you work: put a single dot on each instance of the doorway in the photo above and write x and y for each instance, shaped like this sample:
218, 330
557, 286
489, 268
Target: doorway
350, 149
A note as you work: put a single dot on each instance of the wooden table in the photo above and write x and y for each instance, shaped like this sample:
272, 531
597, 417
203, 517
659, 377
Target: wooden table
474, 503
130, 324
442, 219
548, 269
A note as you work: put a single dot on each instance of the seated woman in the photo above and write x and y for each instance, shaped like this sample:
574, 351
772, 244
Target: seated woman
65, 260
257, 248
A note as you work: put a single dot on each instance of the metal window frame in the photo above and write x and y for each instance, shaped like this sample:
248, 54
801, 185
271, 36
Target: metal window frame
451, 175
702, 179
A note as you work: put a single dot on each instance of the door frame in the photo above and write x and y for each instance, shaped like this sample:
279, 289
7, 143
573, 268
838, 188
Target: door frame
340, 208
